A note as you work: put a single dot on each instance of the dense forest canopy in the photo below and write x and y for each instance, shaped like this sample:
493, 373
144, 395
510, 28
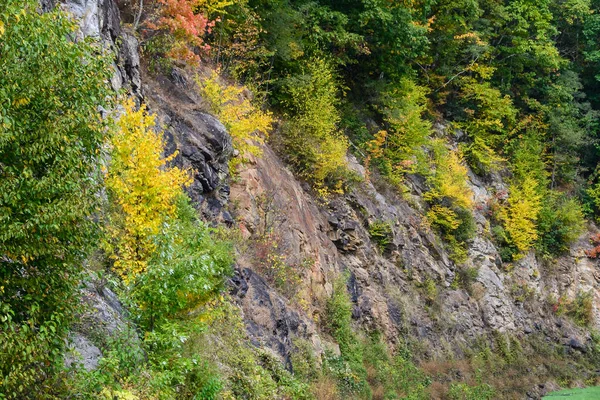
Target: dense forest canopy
516, 81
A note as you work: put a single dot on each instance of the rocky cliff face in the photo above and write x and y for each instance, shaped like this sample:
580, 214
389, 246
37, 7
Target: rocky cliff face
386, 283
405, 289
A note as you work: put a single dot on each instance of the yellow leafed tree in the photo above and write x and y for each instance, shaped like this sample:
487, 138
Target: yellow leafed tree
142, 188
521, 214
247, 124
450, 198
449, 179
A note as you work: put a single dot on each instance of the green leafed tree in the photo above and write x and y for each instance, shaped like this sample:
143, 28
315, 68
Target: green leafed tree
313, 143
50, 142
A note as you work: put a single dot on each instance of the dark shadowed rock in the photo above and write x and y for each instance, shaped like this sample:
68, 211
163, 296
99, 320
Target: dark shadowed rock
47, 5
576, 344
200, 140
269, 319
102, 319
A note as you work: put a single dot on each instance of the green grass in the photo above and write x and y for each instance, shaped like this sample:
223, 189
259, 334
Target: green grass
591, 393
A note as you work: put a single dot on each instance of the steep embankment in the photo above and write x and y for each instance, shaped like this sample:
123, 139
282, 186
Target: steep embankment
402, 281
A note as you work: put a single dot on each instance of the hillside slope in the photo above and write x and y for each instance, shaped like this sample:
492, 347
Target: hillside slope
523, 327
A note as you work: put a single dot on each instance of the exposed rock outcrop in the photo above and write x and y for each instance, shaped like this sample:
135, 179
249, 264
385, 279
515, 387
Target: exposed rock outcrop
406, 289
200, 140
386, 285
102, 320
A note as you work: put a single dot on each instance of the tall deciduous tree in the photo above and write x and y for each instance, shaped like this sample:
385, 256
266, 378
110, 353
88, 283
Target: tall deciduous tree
50, 141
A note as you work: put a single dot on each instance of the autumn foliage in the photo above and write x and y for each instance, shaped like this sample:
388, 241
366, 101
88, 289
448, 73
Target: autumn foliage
247, 124
186, 25
450, 198
142, 188
521, 214
595, 252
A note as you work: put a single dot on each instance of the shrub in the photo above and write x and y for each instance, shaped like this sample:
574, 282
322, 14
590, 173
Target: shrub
247, 124
401, 147
187, 269
430, 290
482, 158
142, 191
172, 303
520, 215
247, 372
50, 143
528, 153
304, 362
581, 309
396, 376
560, 223
450, 198
348, 368
593, 198
312, 142
522, 292
489, 116
165, 255
448, 180
462, 391
507, 250
350, 379
382, 234
338, 317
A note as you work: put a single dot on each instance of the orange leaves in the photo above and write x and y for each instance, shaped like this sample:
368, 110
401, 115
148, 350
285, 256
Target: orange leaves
186, 25
595, 252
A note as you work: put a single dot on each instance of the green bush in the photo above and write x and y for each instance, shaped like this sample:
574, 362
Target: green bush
304, 362
507, 250
489, 115
430, 290
366, 366
508, 347
311, 139
396, 374
159, 366
560, 223
51, 137
456, 226
348, 368
338, 320
382, 234
403, 106
188, 269
581, 309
